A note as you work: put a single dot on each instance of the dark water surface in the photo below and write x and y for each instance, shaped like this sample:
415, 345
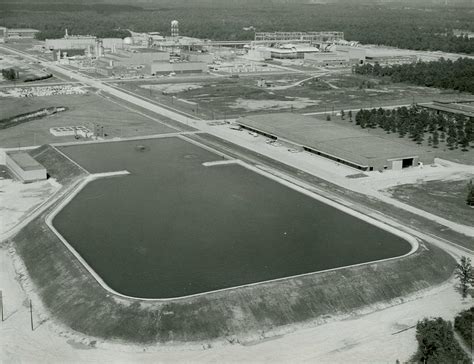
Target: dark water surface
174, 227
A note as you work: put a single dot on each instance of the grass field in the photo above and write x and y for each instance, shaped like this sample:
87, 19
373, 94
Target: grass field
85, 110
442, 198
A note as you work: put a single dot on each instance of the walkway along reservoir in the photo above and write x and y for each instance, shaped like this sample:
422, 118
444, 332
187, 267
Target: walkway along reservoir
175, 227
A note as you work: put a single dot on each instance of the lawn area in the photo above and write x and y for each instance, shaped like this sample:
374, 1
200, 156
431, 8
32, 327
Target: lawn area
442, 198
86, 110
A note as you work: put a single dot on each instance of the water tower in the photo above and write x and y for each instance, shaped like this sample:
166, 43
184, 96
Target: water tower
175, 29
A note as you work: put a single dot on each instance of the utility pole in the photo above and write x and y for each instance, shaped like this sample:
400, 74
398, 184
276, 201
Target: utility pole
1, 302
31, 315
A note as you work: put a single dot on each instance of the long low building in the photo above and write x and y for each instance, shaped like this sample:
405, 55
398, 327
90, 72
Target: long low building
465, 108
346, 145
16, 33
24, 167
158, 68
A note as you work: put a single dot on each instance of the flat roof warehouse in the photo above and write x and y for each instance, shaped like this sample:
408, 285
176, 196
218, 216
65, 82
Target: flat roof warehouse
355, 148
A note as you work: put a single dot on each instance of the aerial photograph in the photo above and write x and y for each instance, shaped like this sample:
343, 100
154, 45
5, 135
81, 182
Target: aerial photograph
237, 181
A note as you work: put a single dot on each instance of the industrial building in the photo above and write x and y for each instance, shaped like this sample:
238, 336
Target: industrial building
158, 68
391, 60
197, 57
83, 45
294, 37
355, 148
137, 58
24, 167
7, 34
71, 42
463, 107
328, 59
339, 55
288, 51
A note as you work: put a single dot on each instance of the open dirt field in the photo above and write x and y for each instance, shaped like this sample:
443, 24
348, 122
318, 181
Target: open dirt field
335, 90
19, 200
86, 110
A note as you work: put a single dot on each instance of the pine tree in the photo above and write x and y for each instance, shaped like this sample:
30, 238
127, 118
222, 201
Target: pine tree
452, 136
435, 139
469, 130
442, 136
470, 194
328, 117
464, 272
350, 115
342, 114
430, 140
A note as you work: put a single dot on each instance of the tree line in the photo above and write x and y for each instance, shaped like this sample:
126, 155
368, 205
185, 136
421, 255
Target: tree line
457, 131
411, 28
455, 75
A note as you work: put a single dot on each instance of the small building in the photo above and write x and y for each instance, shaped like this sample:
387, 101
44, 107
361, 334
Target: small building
24, 167
346, 145
71, 130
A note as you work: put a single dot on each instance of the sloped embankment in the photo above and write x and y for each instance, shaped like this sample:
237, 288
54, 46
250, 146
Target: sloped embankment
56, 164
73, 297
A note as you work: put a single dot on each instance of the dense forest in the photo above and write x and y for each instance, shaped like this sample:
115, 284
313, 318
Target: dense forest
446, 74
405, 27
414, 122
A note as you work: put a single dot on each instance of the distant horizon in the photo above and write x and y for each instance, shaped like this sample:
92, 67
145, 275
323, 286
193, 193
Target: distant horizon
233, 2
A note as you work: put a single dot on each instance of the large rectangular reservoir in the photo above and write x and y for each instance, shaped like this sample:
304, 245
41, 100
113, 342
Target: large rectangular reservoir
174, 227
